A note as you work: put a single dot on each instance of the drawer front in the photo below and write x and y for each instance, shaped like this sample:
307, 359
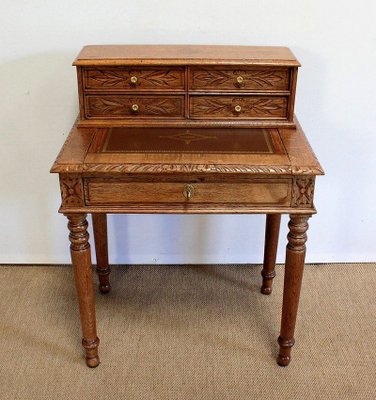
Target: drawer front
128, 106
123, 78
102, 192
245, 107
261, 79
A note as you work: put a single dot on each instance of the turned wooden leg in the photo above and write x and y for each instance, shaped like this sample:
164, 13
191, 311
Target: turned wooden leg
295, 254
101, 250
273, 222
81, 260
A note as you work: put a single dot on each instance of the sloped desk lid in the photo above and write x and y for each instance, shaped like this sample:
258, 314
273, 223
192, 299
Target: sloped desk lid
181, 150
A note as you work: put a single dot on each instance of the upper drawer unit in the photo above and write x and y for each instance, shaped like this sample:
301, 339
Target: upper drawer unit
186, 86
230, 79
134, 79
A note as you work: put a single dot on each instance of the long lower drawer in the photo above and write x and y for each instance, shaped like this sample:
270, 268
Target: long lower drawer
258, 192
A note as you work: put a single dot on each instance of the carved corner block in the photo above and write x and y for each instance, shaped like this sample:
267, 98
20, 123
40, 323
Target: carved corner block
71, 189
302, 191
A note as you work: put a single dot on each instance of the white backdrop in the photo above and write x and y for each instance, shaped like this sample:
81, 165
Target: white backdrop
334, 40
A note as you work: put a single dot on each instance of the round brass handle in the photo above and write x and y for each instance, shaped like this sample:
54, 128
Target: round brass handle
240, 79
134, 79
188, 191
238, 108
135, 107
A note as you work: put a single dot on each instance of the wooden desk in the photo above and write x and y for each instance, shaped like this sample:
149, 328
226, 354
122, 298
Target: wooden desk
154, 140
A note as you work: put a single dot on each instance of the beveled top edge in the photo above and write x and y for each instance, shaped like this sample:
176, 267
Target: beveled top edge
185, 55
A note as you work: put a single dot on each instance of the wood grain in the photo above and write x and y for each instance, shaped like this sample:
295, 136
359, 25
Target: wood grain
121, 70
101, 250
250, 79
81, 261
273, 222
255, 107
121, 106
106, 192
295, 255
185, 54
120, 79
185, 87
186, 123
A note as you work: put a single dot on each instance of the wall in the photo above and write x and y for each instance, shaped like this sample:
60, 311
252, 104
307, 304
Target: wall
336, 44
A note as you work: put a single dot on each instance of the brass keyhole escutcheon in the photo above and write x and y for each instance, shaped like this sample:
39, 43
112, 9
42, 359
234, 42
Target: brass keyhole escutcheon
238, 108
135, 107
188, 191
134, 79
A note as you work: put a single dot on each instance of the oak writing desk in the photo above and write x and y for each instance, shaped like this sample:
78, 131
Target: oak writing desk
186, 130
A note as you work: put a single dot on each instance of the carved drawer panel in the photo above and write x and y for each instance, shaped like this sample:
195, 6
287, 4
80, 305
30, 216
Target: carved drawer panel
128, 106
103, 192
261, 79
244, 107
128, 78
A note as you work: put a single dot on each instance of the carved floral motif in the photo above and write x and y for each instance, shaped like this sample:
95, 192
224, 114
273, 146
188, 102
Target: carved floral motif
71, 191
302, 191
258, 79
121, 78
116, 105
250, 107
216, 168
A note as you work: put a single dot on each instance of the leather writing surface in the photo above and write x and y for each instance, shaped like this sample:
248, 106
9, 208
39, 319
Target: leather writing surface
181, 140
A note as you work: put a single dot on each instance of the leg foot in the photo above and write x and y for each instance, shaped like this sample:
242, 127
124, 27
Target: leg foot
101, 249
295, 255
91, 349
273, 222
104, 288
284, 356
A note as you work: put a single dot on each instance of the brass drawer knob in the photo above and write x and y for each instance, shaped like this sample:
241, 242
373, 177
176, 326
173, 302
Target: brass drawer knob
134, 79
238, 108
188, 191
135, 107
240, 80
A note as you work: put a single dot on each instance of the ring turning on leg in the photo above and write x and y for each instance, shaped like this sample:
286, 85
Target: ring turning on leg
83, 276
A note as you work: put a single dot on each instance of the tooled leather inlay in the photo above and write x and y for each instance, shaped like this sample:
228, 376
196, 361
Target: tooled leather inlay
181, 140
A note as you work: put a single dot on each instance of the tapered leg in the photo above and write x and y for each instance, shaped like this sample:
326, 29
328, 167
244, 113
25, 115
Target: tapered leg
295, 255
81, 260
101, 250
273, 222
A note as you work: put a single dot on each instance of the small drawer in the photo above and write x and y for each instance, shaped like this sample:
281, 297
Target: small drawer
245, 107
128, 106
128, 78
258, 192
254, 79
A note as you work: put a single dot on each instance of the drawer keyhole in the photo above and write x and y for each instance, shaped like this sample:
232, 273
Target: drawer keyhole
188, 191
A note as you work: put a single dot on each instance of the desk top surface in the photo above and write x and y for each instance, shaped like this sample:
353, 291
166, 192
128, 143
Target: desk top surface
181, 150
185, 55
182, 141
